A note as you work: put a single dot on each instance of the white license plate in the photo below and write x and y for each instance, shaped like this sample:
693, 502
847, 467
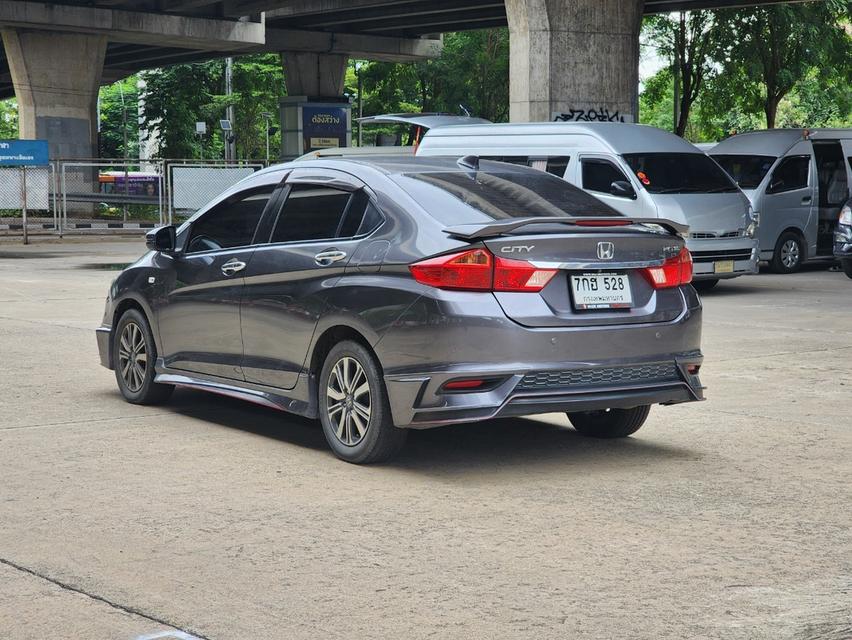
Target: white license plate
723, 266
601, 291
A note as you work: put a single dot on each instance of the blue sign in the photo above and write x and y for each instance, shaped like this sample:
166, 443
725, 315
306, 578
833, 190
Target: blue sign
24, 153
324, 127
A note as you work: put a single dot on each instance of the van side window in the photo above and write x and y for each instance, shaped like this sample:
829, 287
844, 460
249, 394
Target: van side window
557, 165
790, 175
524, 161
598, 175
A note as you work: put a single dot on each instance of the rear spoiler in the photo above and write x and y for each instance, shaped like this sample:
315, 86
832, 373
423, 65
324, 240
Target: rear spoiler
474, 231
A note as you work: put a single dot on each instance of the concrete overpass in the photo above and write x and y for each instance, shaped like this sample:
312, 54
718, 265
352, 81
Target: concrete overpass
566, 54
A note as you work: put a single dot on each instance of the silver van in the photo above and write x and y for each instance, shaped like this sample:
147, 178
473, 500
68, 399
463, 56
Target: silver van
798, 180
638, 170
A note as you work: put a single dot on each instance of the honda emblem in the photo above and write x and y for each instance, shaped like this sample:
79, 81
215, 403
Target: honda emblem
606, 250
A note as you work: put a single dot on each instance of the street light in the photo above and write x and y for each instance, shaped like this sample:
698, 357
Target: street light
225, 126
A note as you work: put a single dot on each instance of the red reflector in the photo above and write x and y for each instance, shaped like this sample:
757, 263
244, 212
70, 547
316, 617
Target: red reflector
470, 270
674, 272
693, 369
603, 223
463, 384
517, 275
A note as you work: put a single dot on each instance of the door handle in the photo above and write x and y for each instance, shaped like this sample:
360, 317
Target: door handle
326, 258
232, 266
806, 200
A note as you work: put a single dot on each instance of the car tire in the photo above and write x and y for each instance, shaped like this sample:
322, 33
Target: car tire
134, 355
353, 406
789, 253
609, 423
846, 265
705, 285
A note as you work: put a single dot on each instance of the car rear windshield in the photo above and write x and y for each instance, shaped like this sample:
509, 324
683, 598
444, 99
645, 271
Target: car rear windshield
499, 194
747, 171
679, 173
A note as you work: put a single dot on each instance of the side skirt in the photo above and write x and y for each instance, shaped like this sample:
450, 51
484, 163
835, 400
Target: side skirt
296, 400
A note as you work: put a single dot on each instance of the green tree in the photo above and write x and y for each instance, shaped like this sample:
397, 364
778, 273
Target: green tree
119, 117
686, 38
766, 51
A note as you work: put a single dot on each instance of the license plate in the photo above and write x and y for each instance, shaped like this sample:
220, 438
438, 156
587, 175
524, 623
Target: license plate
601, 291
723, 266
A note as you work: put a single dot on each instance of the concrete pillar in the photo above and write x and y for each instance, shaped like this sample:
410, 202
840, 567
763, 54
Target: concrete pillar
314, 74
579, 58
56, 78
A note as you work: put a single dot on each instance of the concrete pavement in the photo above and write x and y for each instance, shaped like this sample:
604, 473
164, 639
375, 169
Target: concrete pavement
216, 519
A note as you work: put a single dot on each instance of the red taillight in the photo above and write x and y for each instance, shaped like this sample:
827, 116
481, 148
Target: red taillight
470, 270
517, 275
672, 273
463, 385
479, 270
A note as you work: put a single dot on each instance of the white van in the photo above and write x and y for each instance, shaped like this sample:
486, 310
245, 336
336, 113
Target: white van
638, 170
798, 180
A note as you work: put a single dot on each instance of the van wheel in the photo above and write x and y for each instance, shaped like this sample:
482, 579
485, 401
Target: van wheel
789, 253
609, 423
705, 285
846, 265
354, 409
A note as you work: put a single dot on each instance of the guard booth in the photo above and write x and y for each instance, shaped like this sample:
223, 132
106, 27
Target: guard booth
310, 124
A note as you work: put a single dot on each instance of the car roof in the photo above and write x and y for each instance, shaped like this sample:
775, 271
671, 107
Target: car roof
773, 142
395, 164
620, 137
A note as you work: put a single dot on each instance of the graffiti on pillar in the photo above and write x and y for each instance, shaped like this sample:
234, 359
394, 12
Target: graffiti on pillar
602, 114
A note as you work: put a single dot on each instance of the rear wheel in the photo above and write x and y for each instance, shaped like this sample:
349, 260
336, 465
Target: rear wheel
789, 253
134, 354
354, 409
705, 285
846, 265
609, 423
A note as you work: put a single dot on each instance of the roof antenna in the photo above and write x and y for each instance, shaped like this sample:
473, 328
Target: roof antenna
469, 162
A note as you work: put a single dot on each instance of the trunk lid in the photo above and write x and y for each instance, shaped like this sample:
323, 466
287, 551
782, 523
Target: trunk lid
579, 251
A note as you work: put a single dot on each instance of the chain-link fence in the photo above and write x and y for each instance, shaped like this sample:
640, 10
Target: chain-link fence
111, 196
28, 200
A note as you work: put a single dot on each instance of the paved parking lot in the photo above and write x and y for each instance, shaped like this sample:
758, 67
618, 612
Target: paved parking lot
217, 519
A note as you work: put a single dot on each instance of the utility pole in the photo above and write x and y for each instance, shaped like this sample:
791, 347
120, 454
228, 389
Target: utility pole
676, 73
230, 141
267, 117
358, 65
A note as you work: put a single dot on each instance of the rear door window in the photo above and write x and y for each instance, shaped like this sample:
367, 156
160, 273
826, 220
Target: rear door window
790, 175
322, 213
598, 175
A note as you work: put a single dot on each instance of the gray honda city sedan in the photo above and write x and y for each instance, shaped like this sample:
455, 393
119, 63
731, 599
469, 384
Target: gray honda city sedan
385, 294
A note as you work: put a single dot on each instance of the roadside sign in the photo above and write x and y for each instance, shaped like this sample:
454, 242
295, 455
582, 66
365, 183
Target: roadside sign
24, 153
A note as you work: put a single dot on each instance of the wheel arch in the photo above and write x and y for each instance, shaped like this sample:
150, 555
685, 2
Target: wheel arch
799, 232
121, 307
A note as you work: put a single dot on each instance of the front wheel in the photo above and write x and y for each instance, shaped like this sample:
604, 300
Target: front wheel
354, 409
609, 423
134, 354
846, 265
789, 253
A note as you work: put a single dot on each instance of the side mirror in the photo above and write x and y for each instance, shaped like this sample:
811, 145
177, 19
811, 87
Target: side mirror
161, 239
622, 188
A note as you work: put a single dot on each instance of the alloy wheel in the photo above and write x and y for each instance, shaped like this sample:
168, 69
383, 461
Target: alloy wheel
132, 356
349, 401
790, 253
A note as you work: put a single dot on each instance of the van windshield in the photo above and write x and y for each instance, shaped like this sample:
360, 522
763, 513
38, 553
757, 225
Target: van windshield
747, 171
679, 173
499, 194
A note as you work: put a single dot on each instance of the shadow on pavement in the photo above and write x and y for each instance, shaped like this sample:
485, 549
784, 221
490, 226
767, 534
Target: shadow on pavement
477, 447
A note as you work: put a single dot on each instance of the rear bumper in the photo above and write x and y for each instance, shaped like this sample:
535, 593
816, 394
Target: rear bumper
711, 254
414, 406
103, 335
